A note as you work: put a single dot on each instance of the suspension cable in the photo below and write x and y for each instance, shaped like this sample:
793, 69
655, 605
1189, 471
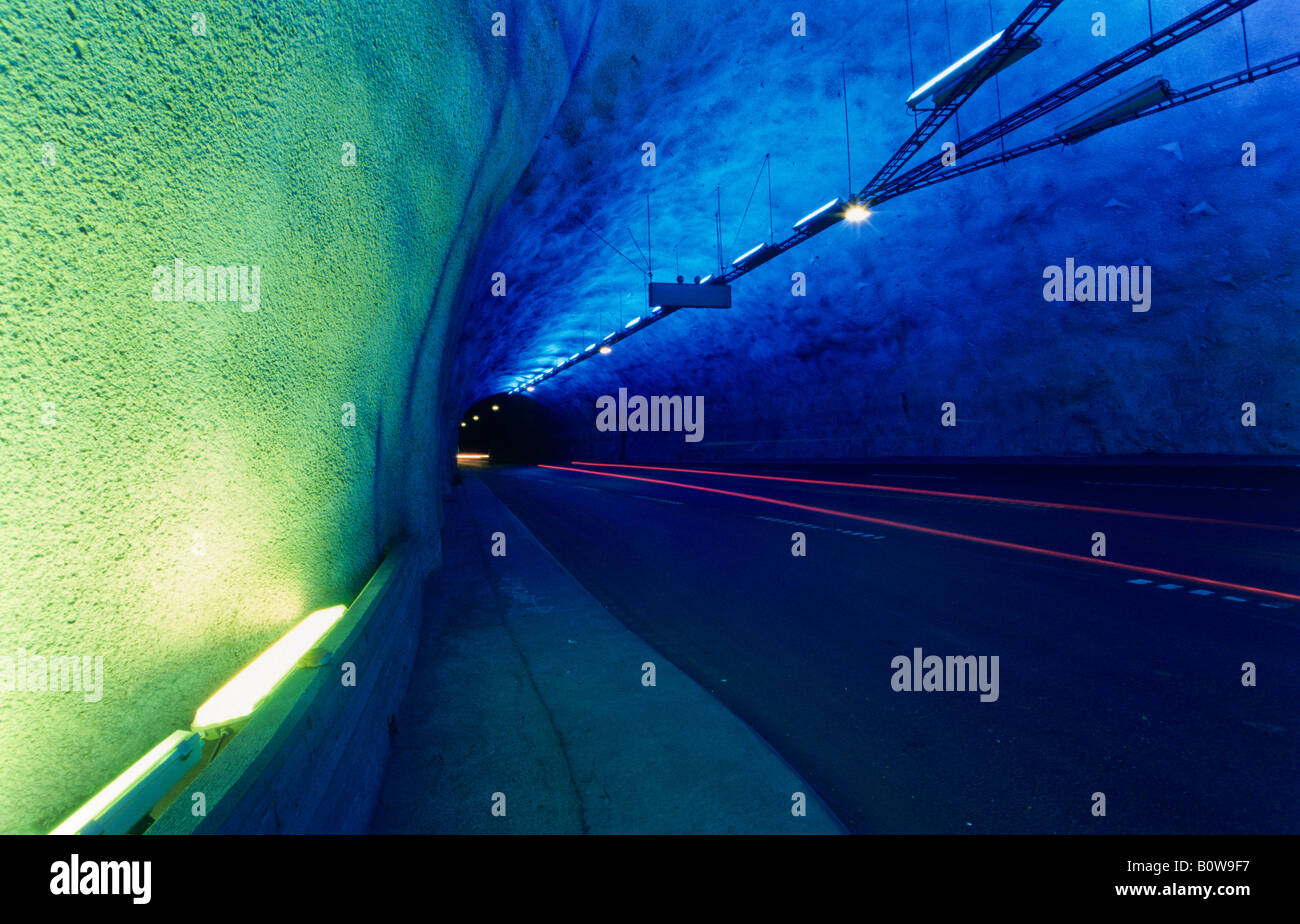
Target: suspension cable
997, 84
911, 62
956, 116
611, 246
1201, 91
1192, 24
1244, 41
745, 215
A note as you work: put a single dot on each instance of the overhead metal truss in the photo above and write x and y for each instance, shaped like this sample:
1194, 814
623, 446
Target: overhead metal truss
889, 183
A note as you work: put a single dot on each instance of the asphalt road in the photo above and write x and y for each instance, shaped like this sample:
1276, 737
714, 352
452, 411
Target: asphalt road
1121, 681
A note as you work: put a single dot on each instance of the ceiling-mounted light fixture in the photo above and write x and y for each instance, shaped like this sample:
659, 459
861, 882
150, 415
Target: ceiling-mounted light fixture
747, 254
827, 214
234, 703
941, 85
1148, 93
856, 212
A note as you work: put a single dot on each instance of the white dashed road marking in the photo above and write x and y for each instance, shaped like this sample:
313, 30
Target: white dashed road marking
1181, 487
936, 477
846, 532
1202, 592
661, 500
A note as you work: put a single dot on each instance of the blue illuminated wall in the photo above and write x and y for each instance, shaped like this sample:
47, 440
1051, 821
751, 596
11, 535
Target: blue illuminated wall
940, 297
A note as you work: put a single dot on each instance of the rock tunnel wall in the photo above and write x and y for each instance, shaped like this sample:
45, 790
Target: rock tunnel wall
939, 298
182, 484
185, 479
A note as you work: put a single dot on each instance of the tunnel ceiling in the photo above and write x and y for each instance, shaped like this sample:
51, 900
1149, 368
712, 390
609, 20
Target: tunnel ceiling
939, 297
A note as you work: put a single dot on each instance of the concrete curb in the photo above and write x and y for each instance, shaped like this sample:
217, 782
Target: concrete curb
312, 757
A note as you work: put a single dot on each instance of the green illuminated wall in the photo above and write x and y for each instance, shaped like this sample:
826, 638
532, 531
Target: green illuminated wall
178, 482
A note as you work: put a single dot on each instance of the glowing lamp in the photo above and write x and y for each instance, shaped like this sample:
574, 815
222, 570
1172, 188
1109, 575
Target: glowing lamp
856, 212
119, 806
234, 703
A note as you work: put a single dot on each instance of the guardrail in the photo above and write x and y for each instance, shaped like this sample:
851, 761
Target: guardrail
307, 756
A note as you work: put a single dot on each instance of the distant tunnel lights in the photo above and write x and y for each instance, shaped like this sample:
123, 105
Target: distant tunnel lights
941, 85
632, 323
236, 701
604, 351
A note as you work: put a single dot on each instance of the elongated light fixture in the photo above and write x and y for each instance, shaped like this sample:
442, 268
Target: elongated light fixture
824, 212
120, 805
951, 72
1147, 93
747, 254
234, 703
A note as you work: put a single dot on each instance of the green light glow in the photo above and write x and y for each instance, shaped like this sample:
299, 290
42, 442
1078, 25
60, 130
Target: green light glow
180, 484
238, 698
136, 789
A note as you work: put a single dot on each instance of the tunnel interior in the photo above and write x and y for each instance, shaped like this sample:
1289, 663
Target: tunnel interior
509, 429
370, 276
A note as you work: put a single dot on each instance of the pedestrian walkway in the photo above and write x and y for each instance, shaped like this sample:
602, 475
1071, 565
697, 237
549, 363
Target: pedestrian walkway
528, 696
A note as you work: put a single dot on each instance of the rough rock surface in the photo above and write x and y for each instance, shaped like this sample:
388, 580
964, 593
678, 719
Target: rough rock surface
940, 297
180, 485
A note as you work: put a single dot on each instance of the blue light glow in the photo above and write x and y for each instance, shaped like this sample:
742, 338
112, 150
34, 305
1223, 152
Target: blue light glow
811, 215
935, 82
747, 254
